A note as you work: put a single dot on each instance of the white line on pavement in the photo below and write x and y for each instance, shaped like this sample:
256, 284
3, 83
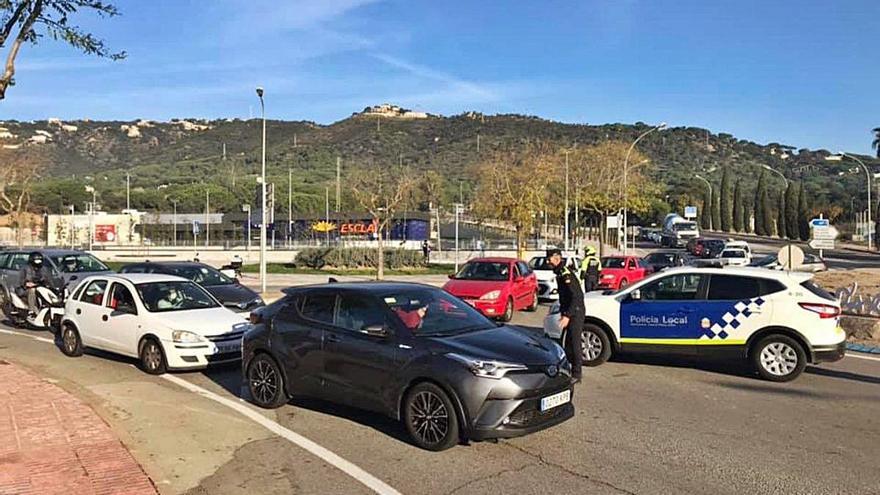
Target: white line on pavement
343, 465
861, 356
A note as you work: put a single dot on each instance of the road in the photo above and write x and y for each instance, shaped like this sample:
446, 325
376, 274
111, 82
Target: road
655, 426
842, 259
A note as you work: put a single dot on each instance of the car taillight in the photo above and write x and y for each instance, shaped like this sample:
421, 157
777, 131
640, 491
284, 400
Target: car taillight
823, 310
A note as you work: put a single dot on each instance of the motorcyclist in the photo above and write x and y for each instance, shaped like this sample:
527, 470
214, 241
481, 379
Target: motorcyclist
33, 275
591, 268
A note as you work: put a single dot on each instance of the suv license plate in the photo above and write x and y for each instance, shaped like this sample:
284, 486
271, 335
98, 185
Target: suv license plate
555, 400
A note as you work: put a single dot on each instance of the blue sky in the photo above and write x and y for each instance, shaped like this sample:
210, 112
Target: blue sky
800, 72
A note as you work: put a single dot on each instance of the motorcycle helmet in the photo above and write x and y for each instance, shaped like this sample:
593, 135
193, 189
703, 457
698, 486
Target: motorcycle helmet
35, 259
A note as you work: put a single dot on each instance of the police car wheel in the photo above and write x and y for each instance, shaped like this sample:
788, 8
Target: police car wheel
779, 358
595, 345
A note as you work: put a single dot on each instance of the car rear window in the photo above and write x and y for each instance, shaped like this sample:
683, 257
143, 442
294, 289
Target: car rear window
817, 290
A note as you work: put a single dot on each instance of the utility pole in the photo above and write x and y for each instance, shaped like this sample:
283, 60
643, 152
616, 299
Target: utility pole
478, 143
174, 221
127, 191
263, 199
566, 201
294, 140
207, 217
289, 204
338, 172
327, 211
457, 212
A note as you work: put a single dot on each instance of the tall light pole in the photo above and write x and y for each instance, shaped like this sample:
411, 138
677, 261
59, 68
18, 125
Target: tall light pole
709, 185
625, 170
92, 216
207, 217
777, 172
263, 198
839, 157
127, 191
289, 204
174, 221
566, 200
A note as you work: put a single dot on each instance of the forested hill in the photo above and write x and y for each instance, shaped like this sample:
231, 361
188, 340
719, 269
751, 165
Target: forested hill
179, 160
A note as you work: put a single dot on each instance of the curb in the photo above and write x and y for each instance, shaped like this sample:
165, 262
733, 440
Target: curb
868, 349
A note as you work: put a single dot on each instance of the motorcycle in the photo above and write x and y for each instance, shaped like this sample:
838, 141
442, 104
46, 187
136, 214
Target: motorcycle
50, 307
233, 269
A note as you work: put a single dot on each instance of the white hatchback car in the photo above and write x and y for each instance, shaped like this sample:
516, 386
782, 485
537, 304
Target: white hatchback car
735, 257
546, 277
167, 322
778, 321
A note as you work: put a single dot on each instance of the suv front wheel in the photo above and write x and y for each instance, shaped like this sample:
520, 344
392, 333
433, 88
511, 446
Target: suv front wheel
779, 358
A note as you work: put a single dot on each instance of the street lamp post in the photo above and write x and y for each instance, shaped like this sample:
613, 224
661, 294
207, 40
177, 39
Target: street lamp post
92, 216
777, 172
566, 201
839, 157
625, 169
709, 185
174, 221
263, 198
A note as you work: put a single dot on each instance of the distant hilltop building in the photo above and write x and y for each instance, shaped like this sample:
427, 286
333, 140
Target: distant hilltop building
392, 111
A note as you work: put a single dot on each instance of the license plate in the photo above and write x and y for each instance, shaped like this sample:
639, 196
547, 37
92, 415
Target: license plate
555, 400
228, 347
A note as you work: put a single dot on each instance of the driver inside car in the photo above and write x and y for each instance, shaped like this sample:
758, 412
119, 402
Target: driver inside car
412, 319
171, 299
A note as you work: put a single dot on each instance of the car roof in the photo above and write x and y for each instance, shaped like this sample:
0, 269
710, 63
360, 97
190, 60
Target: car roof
142, 278
745, 271
168, 263
370, 286
48, 252
495, 259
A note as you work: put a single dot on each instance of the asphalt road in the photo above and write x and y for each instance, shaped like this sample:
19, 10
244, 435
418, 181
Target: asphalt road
646, 426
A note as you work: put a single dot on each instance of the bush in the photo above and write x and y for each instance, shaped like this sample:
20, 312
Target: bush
350, 258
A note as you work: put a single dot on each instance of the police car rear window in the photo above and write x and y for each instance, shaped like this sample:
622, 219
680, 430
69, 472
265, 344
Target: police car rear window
819, 291
730, 287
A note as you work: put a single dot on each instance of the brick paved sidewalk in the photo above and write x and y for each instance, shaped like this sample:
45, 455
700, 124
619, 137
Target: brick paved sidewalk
52, 443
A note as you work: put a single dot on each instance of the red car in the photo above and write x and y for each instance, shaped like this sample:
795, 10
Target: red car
620, 271
495, 286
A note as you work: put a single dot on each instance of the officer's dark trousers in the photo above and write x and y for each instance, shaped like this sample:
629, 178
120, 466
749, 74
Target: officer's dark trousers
572, 344
591, 284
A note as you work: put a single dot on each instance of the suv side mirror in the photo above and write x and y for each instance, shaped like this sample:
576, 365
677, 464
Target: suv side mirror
376, 330
635, 295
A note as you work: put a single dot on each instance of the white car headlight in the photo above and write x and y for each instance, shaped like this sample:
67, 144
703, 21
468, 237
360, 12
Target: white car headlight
184, 337
491, 296
487, 369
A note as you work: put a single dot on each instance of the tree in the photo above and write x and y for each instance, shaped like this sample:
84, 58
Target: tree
791, 211
766, 213
381, 191
760, 191
726, 202
513, 186
803, 214
876, 142
738, 207
29, 20
19, 169
780, 216
706, 211
716, 211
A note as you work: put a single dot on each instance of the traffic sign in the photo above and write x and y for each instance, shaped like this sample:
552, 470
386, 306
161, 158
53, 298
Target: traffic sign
196, 227
822, 244
690, 212
820, 222
790, 257
828, 232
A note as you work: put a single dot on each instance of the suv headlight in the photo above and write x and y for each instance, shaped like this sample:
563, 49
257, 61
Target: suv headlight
491, 296
184, 337
486, 369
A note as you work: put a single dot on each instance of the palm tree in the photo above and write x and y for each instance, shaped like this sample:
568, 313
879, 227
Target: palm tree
876, 143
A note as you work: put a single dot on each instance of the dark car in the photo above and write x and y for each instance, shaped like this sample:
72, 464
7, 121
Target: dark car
227, 290
712, 248
409, 351
661, 260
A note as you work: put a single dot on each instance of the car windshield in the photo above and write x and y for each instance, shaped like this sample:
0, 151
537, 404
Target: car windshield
79, 263
484, 270
160, 297
434, 313
684, 226
660, 258
541, 263
202, 275
613, 262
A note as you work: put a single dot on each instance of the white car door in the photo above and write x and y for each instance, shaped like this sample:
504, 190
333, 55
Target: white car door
121, 323
88, 310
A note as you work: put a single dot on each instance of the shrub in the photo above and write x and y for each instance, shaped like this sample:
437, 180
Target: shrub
357, 257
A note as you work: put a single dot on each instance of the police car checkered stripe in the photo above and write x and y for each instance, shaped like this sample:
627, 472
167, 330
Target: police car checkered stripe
730, 320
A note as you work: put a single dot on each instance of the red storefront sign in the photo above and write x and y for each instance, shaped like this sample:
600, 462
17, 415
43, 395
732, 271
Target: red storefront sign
105, 233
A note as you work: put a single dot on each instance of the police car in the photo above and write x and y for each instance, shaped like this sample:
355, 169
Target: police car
778, 321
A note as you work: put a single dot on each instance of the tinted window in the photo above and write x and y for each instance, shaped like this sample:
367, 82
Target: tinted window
661, 258
355, 313
202, 275
724, 287
120, 296
134, 269
17, 261
817, 290
79, 263
319, 307
524, 269
433, 312
3, 259
682, 287
94, 293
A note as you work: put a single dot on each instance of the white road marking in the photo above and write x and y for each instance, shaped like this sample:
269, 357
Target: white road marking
304, 443
343, 465
862, 356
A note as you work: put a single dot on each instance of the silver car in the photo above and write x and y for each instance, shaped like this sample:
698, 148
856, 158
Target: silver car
66, 265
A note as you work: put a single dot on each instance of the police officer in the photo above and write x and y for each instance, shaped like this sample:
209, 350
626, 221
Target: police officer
591, 268
571, 308
33, 275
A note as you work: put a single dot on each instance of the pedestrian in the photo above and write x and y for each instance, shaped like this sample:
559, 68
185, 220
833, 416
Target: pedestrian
426, 251
591, 268
481, 248
571, 310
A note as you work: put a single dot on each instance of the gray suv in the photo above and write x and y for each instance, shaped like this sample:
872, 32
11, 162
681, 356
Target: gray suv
68, 265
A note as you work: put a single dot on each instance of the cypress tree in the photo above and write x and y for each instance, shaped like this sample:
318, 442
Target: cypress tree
780, 216
803, 214
726, 202
766, 213
791, 211
738, 224
706, 212
758, 211
716, 210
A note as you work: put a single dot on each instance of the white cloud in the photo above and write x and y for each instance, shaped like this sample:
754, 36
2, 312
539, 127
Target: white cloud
454, 83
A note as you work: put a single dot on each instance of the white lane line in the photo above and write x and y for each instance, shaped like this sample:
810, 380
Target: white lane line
313, 448
35, 337
343, 465
862, 356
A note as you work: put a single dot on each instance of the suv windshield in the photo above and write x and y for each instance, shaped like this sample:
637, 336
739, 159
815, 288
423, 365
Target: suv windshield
159, 297
79, 263
434, 313
684, 226
202, 275
484, 270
